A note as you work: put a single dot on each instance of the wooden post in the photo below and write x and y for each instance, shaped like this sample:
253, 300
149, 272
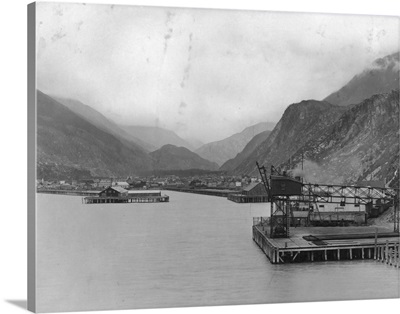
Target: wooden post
325, 255
387, 252
270, 251
312, 256
362, 253
351, 253
338, 254
376, 243
398, 255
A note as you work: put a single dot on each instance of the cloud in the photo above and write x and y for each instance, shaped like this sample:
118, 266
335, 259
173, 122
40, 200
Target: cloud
234, 68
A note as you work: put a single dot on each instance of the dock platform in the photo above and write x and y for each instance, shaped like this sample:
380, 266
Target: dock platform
211, 192
311, 244
125, 199
241, 198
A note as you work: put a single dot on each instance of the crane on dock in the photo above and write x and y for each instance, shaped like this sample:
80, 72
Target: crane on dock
285, 193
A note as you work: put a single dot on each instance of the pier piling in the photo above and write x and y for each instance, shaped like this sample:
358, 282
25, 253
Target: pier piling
381, 247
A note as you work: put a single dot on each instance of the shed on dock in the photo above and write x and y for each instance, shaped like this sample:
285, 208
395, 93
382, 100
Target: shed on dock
253, 193
254, 188
285, 186
113, 191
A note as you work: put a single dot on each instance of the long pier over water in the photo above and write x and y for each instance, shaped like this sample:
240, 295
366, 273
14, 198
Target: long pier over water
126, 199
211, 192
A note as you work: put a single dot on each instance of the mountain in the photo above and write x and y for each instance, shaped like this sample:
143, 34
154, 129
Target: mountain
246, 152
70, 146
100, 121
194, 142
299, 123
363, 144
155, 136
223, 150
381, 77
171, 157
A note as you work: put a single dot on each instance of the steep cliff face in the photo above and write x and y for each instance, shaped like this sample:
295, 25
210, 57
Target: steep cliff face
68, 145
170, 157
299, 123
380, 77
363, 144
231, 164
223, 150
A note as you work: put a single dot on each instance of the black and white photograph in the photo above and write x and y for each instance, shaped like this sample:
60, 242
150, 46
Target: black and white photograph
203, 157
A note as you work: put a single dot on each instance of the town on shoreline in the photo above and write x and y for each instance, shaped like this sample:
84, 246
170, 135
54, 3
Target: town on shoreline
205, 181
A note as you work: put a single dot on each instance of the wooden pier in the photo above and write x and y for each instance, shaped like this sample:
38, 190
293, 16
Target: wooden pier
125, 199
68, 192
241, 198
312, 244
388, 254
211, 192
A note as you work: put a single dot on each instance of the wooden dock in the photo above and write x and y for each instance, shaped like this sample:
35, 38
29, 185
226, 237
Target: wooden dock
312, 244
211, 192
125, 199
68, 192
241, 198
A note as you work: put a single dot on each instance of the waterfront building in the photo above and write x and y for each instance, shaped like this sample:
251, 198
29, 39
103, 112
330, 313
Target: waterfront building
253, 193
113, 191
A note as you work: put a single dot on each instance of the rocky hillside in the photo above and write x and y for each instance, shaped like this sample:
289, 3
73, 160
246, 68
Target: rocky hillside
68, 145
156, 137
231, 164
100, 121
221, 151
381, 77
363, 144
299, 124
170, 157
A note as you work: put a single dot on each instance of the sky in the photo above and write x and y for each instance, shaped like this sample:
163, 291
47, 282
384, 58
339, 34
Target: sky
205, 74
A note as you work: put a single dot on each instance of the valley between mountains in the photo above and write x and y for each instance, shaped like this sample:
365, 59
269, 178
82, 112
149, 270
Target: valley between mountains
351, 135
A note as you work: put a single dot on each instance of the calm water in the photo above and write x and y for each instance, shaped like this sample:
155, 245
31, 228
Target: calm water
194, 250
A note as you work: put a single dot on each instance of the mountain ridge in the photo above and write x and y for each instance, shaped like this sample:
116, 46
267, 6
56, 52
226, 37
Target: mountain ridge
65, 140
299, 122
225, 149
231, 164
363, 144
380, 77
98, 119
156, 136
171, 157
